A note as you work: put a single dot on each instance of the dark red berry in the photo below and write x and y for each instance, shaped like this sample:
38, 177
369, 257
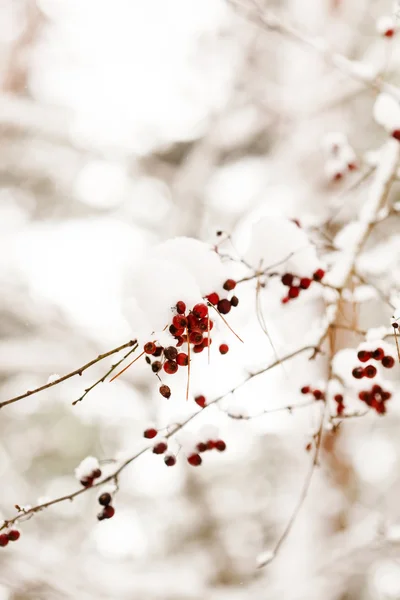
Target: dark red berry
108, 512
180, 307
370, 371
224, 348
196, 338
224, 306
220, 445
170, 367
318, 395
150, 433
287, 279
338, 398
395, 325
213, 298
305, 283
160, 448
150, 348
173, 330
165, 391
388, 362
159, 351
293, 292
386, 396
179, 322
396, 134
170, 460
200, 310
229, 285
182, 359
3, 539
201, 447
363, 355
195, 460
376, 389
358, 372
234, 301
202, 325
340, 408
13, 535
170, 353
210, 445
200, 400
378, 354
199, 348
105, 499
363, 396
305, 389
96, 474
156, 366
86, 482
318, 275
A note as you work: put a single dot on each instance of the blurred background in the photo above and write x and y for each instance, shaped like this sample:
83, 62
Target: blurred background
124, 123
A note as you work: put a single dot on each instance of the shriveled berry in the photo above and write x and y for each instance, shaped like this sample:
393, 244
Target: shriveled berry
147, 358
195, 460
229, 285
200, 400
160, 448
220, 445
378, 354
105, 499
318, 394
156, 366
170, 353
3, 539
13, 535
370, 371
293, 292
213, 298
388, 362
108, 512
363, 355
224, 348
159, 351
170, 367
287, 279
201, 447
150, 348
165, 391
305, 283
170, 460
150, 433
179, 322
358, 372
305, 389
180, 307
196, 338
200, 310
182, 359
234, 301
224, 306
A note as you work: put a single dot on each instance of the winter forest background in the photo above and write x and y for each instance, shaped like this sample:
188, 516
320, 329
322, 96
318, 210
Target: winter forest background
125, 123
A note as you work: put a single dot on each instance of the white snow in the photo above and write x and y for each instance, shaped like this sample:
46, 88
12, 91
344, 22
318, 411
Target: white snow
86, 467
387, 112
385, 23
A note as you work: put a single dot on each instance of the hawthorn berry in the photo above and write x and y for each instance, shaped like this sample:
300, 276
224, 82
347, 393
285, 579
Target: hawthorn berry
293, 292
159, 351
287, 279
196, 338
201, 447
389, 33
108, 512
388, 362
150, 348
318, 275
150, 433
3, 539
165, 391
195, 460
180, 307
210, 445
179, 322
213, 298
156, 366
224, 348
96, 474
305, 389
229, 285
305, 283
105, 499
378, 354
318, 395
160, 448
338, 398
285, 300
395, 325
224, 306
370, 371
170, 460
182, 359
386, 396
396, 134
199, 348
86, 482
170, 353
13, 535
170, 367
363, 355
220, 445
200, 310
200, 400
234, 301
358, 372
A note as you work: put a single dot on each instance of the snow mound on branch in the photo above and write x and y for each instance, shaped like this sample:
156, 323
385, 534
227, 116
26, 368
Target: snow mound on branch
86, 467
279, 241
387, 112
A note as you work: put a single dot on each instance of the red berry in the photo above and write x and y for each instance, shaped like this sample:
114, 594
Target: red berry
156, 366
338, 398
170, 353
180, 307
179, 322
195, 460
396, 134
13, 535
200, 311
199, 348
210, 445
224, 348
293, 292
165, 391
3, 539
213, 298
363, 396
182, 359
305, 283
201, 447
386, 396
376, 389
224, 306
96, 474
388, 362
378, 354
285, 300
229, 285
108, 512
150, 433
363, 355
170, 460
196, 338
318, 275
287, 279
358, 373
160, 448
150, 348
170, 367
234, 301
340, 408
220, 445
105, 499
206, 342
370, 371
86, 482
200, 400
389, 33
395, 325
305, 389
318, 395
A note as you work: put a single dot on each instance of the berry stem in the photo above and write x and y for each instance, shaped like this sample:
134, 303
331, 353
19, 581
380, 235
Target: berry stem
226, 322
127, 367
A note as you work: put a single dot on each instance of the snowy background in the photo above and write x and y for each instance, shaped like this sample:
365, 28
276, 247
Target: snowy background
124, 123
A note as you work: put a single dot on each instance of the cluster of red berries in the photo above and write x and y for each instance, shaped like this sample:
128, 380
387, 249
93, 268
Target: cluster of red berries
297, 284
224, 305
318, 394
11, 536
377, 354
376, 398
195, 459
108, 510
88, 480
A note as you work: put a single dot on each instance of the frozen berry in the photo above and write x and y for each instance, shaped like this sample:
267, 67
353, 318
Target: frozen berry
170, 367
234, 301
105, 499
293, 292
378, 354
287, 279
200, 310
150, 348
220, 445
224, 348
363, 355
165, 391
305, 283
179, 322
195, 460
358, 372
305, 389
180, 307
150, 433
156, 366
13, 535
370, 371
3, 539
108, 512
388, 362
318, 275
170, 460
200, 400
182, 359
213, 298
170, 353
229, 285
224, 306
160, 448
